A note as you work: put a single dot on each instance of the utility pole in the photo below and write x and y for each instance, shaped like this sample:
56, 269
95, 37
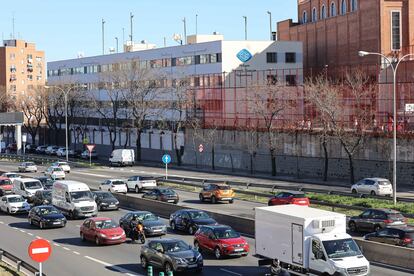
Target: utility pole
245, 27
196, 24
185, 30
131, 16
117, 46
270, 24
103, 36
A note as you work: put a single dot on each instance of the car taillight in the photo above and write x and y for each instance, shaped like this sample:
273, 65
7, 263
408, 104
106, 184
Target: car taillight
388, 221
407, 241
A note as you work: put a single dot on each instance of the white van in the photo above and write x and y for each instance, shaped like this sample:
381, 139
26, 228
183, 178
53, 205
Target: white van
74, 199
26, 187
122, 157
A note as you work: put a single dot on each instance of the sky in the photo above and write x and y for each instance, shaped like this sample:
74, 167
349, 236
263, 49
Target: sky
64, 28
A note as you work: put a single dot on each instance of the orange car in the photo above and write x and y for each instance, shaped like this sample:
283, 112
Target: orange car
217, 192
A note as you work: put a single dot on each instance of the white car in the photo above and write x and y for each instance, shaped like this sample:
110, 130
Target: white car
14, 204
114, 186
139, 183
61, 152
64, 165
27, 167
11, 175
373, 186
55, 173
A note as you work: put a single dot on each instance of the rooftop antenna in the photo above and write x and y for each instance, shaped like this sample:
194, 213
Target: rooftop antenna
131, 16
185, 30
103, 36
196, 24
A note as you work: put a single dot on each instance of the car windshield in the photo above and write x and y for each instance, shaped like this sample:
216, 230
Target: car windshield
48, 211
223, 187
147, 217
81, 196
384, 182
298, 195
175, 246
62, 164
167, 192
5, 182
226, 233
395, 216
105, 195
341, 248
57, 169
118, 182
106, 224
33, 185
13, 175
47, 193
198, 215
30, 164
15, 199
48, 185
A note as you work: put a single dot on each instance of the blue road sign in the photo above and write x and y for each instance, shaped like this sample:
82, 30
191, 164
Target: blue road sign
244, 55
166, 159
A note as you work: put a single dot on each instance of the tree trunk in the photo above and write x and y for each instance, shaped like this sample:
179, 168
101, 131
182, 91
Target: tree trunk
273, 161
351, 168
213, 165
326, 159
251, 163
138, 145
33, 135
178, 155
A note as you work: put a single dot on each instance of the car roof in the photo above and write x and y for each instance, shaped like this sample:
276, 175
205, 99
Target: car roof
406, 228
165, 240
139, 212
385, 210
9, 196
100, 218
116, 179
218, 226
193, 210
101, 192
376, 179
293, 192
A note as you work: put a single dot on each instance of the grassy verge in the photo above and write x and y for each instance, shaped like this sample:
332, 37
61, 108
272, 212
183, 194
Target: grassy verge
7, 270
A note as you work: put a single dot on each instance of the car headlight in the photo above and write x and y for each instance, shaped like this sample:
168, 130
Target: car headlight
225, 245
103, 203
179, 260
102, 235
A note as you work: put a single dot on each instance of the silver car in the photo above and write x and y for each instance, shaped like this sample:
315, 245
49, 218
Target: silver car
171, 255
27, 167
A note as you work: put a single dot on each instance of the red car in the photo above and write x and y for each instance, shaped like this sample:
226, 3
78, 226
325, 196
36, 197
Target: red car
102, 231
222, 240
5, 186
282, 198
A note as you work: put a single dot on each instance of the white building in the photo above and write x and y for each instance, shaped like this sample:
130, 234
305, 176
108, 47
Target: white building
203, 55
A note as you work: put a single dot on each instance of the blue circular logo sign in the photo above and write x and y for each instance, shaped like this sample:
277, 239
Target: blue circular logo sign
166, 159
244, 55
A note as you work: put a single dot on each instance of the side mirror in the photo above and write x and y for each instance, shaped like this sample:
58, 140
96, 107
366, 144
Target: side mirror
319, 255
159, 250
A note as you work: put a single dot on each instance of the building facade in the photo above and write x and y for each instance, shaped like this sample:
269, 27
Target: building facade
22, 68
333, 31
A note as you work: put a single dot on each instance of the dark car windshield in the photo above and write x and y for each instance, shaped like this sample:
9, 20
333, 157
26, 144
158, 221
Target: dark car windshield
105, 195
147, 217
226, 233
81, 195
223, 187
48, 211
118, 182
198, 215
167, 191
297, 195
30, 164
341, 248
106, 224
15, 199
33, 185
175, 246
384, 182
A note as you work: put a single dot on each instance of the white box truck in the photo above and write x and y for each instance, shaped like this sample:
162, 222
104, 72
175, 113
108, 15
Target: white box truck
74, 199
306, 241
122, 157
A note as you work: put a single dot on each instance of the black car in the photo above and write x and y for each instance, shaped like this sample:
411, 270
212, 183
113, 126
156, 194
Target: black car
401, 236
47, 183
46, 216
42, 198
41, 149
162, 194
153, 226
372, 220
189, 220
105, 201
30, 148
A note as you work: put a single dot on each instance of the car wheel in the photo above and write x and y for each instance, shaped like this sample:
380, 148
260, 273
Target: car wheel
168, 268
144, 262
373, 193
354, 191
82, 236
41, 225
173, 225
8, 210
100, 188
191, 230
137, 189
213, 200
217, 253
99, 207
197, 246
97, 241
231, 201
200, 196
377, 228
353, 227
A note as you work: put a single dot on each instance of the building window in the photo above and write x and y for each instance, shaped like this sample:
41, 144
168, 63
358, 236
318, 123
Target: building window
395, 30
333, 9
353, 5
323, 12
343, 7
290, 80
290, 57
305, 17
271, 57
314, 15
218, 57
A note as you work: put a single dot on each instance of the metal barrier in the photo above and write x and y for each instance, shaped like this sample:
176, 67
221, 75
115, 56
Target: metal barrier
39, 159
19, 264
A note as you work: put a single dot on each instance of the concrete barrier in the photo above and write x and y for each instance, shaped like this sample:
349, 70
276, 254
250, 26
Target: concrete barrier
387, 254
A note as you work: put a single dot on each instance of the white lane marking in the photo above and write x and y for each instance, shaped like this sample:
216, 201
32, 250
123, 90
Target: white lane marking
76, 252
15, 228
56, 244
93, 174
1, 222
23, 231
37, 237
114, 267
40, 250
231, 272
30, 234
67, 249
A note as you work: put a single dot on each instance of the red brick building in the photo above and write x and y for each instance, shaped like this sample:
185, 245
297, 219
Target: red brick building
333, 31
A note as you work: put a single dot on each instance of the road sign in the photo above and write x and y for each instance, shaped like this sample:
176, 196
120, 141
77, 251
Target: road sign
90, 147
40, 250
409, 107
201, 148
166, 159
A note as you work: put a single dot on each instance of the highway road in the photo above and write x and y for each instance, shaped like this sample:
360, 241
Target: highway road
70, 256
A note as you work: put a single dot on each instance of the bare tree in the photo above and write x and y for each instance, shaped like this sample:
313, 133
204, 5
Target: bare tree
251, 140
54, 111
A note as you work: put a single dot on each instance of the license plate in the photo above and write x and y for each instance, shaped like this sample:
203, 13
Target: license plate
115, 238
57, 222
192, 266
88, 215
238, 249
112, 205
157, 230
171, 200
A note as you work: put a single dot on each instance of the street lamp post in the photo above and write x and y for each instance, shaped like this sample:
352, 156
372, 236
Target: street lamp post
270, 25
394, 67
245, 27
65, 93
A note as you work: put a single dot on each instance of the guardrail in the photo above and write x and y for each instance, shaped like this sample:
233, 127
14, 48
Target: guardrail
19, 264
39, 159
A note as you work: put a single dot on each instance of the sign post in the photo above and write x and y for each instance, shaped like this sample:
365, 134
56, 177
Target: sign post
90, 149
166, 159
39, 251
24, 139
